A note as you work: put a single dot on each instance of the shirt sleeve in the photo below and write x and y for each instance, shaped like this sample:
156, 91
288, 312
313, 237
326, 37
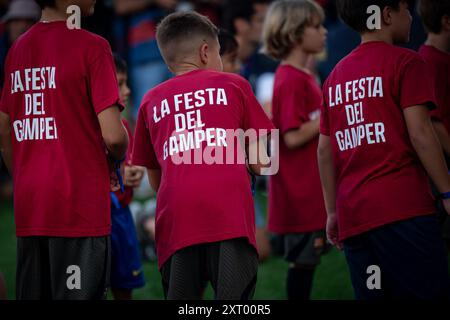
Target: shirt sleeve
143, 153
415, 84
254, 116
293, 108
103, 87
5, 92
324, 120
3, 103
435, 114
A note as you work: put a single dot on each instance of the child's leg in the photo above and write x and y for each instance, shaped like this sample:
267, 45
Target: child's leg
126, 267
302, 251
33, 269
360, 255
412, 258
232, 267
299, 282
183, 274
80, 267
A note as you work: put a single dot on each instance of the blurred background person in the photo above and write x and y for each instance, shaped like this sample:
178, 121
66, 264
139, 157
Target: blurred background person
137, 21
19, 17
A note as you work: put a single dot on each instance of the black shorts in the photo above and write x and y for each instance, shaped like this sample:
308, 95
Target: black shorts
410, 257
230, 265
300, 248
62, 268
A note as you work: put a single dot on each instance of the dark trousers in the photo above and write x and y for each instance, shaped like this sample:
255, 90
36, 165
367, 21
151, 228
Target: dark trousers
411, 258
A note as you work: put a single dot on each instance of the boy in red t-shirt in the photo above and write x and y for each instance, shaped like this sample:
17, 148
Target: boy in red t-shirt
377, 145
126, 265
59, 111
205, 222
293, 33
435, 15
436, 53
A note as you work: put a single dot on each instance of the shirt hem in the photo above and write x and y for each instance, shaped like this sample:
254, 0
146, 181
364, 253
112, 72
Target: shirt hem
100, 232
144, 163
375, 224
203, 239
109, 103
312, 228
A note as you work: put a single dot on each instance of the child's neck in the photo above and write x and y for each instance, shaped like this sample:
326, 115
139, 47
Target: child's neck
439, 41
53, 14
186, 67
376, 36
298, 59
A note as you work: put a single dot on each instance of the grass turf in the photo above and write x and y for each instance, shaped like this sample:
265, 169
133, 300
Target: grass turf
331, 278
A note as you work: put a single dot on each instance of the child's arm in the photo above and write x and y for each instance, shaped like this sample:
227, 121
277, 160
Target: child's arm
258, 157
426, 144
324, 158
304, 134
113, 132
443, 136
5, 140
154, 177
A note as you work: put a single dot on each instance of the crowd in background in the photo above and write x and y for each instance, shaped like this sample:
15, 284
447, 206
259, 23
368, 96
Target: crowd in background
130, 28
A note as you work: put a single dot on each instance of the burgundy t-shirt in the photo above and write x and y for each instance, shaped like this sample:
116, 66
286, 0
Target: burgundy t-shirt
200, 200
379, 177
295, 194
126, 196
438, 63
56, 82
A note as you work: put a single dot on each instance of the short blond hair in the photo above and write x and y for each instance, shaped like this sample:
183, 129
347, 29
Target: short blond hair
285, 23
179, 34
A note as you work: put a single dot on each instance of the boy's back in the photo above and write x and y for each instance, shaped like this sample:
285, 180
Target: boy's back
203, 202
438, 63
378, 174
64, 79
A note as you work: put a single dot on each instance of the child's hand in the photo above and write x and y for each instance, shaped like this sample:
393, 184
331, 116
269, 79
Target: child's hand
114, 181
113, 178
133, 176
332, 231
446, 204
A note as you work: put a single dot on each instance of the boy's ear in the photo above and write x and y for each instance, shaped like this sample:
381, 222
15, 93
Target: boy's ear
204, 53
445, 22
386, 15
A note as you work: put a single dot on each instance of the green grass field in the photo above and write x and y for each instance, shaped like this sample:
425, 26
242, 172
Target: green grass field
331, 278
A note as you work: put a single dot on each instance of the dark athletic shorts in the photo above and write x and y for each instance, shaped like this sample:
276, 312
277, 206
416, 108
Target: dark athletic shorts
62, 268
126, 266
230, 265
411, 258
299, 248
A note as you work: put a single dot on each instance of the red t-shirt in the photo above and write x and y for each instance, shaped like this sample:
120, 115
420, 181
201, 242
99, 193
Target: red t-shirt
127, 195
295, 194
202, 201
379, 177
56, 82
438, 63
